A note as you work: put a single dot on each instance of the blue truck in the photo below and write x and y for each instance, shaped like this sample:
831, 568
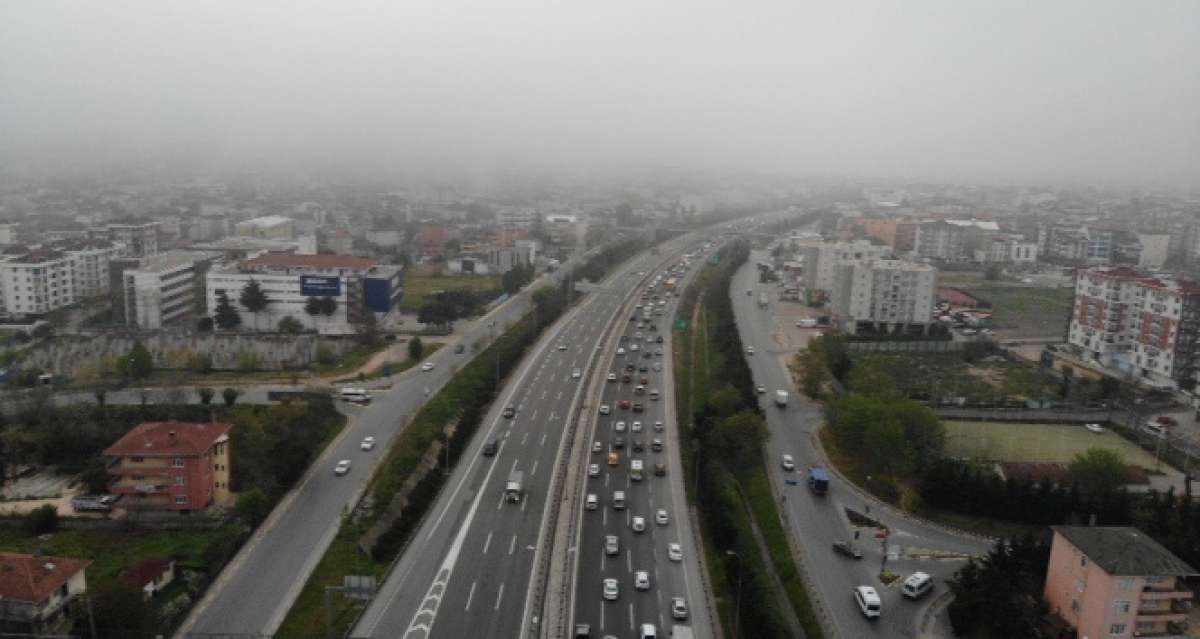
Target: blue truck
818, 480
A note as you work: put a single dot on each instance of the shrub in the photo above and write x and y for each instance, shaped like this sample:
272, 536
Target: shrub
42, 520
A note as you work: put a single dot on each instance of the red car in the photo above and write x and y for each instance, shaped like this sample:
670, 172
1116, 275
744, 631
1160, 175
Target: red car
624, 405
645, 380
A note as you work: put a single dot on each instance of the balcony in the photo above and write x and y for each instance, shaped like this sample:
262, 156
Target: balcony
1167, 592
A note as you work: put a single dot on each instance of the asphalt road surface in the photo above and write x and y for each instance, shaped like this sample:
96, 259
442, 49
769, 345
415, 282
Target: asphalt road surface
817, 521
467, 569
254, 592
646, 550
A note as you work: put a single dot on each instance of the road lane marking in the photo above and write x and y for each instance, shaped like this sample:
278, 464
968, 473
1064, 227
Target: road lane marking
524, 438
487, 543
512, 544
533, 417
533, 471
631, 615
470, 595
544, 434
499, 596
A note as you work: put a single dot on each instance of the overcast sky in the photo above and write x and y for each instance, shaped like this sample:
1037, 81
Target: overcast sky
953, 90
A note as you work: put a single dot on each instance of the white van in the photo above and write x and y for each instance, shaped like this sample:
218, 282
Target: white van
917, 585
355, 395
635, 469
648, 631
1156, 429
592, 502
619, 500
868, 601
654, 394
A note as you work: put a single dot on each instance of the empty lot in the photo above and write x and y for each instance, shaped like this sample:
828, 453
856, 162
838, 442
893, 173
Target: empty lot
1002, 441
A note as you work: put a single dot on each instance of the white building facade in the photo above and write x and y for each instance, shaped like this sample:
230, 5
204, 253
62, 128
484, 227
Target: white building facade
822, 258
165, 289
886, 292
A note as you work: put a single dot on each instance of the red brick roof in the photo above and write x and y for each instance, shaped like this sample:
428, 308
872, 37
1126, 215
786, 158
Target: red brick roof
150, 439
33, 579
145, 572
310, 261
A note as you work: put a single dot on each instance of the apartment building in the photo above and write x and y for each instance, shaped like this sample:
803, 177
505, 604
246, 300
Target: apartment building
952, 240
269, 227
821, 259
1008, 249
1115, 581
165, 289
358, 285
1088, 244
177, 466
887, 293
139, 238
1143, 325
40, 593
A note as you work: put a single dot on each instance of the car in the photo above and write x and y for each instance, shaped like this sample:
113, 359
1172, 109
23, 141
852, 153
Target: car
641, 580
342, 467
635, 427
760, 389
610, 589
612, 377
630, 367
597, 447
604, 409
660, 470
656, 445
459, 348
592, 502
1095, 428
674, 552
624, 404
633, 348
619, 427
679, 610
368, 443
644, 379
638, 446
749, 350
638, 524
562, 347
658, 427
868, 601
658, 339
843, 547
658, 351
661, 518
788, 463
637, 407
426, 367
647, 354
620, 351
612, 545
658, 366
644, 369
576, 373
582, 631
637, 335
491, 447
509, 411
593, 470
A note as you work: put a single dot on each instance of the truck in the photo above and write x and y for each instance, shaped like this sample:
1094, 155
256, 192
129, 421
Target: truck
763, 300
781, 398
512, 488
818, 480
635, 469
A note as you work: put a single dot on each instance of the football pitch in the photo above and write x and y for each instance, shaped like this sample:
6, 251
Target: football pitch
1018, 442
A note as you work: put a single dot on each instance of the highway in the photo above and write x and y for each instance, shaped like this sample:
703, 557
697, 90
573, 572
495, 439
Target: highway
467, 569
817, 521
254, 592
635, 378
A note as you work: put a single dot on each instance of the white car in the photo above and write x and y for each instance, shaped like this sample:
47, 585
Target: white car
868, 601
604, 409
632, 348
658, 366
597, 447
1095, 428
679, 608
788, 463
612, 377
593, 470
342, 467
641, 580
749, 350
611, 591
638, 524
635, 427
660, 517
619, 427
761, 389
576, 374
674, 552
368, 443
621, 350
562, 347
426, 367
658, 426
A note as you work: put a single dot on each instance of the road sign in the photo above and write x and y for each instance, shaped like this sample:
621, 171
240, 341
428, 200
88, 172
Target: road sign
681, 324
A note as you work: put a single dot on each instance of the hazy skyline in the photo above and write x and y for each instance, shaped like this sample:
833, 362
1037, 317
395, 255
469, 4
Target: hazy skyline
1080, 91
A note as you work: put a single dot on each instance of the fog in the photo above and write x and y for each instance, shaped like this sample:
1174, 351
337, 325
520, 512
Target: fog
1098, 92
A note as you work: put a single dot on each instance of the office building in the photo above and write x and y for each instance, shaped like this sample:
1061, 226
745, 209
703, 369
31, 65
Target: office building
139, 238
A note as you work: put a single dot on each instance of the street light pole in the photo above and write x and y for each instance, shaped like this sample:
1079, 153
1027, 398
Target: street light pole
737, 614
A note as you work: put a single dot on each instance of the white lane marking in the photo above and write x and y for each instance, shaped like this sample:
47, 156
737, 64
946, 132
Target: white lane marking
514, 466
629, 559
560, 394
487, 542
544, 438
552, 413
499, 596
544, 394
470, 596
604, 517
602, 607
512, 544
500, 504
533, 471
631, 615
523, 502
524, 438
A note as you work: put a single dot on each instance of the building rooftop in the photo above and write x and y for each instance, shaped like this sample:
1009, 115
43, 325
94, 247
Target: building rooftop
268, 220
152, 439
310, 261
145, 572
33, 578
1125, 550
171, 260
243, 243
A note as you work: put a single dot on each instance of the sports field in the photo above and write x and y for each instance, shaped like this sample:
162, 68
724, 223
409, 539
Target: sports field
418, 288
1002, 441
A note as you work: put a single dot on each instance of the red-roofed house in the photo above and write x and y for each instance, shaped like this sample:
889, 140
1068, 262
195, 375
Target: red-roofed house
150, 576
171, 466
37, 593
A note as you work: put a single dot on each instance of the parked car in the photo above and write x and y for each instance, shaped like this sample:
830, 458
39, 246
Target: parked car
846, 548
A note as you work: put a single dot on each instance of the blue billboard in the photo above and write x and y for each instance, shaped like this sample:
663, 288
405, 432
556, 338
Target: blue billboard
320, 286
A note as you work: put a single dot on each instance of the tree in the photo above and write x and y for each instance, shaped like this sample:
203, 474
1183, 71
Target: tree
885, 449
120, 610
254, 299
740, 437
230, 395
315, 306
204, 324
140, 363
368, 329
206, 395
247, 362
42, 520
1099, 472
870, 379
416, 350
813, 373
253, 507
993, 272
290, 325
225, 315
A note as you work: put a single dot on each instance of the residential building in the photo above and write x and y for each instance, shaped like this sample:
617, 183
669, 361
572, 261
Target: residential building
1088, 244
821, 259
269, 227
466, 265
1115, 581
150, 576
889, 293
1009, 249
881, 229
906, 236
1155, 248
165, 289
40, 593
139, 238
939, 240
8, 234
35, 281
516, 217
1142, 325
431, 237
173, 466
358, 285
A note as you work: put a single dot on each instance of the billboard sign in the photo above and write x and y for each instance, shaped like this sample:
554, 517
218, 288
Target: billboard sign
320, 286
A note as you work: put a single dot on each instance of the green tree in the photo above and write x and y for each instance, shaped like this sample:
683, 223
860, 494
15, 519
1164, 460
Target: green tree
885, 450
254, 299
993, 272
119, 610
206, 395
225, 315
42, 520
416, 350
247, 362
813, 373
923, 431
869, 378
200, 363
368, 329
230, 395
140, 363
253, 507
315, 306
1099, 472
290, 325
740, 438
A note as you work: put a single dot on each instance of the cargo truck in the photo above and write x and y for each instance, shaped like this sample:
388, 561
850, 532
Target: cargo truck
512, 488
818, 480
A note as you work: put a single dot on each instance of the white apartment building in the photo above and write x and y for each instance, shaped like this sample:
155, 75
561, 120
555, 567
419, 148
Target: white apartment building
821, 259
1011, 250
8, 234
139, 238
888, 292
43, 278
1156, 248
89, 267
358, 285
165, 289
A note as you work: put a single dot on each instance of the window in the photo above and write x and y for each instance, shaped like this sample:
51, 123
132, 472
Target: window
178, 463
180, 480
1080, 585
1120, 606
137, 460
1117, 629
1083, 560
1075, 607
181, 499
1125, 583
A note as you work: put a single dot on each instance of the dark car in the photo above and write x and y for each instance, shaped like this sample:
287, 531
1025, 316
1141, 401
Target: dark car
659, 340
625, 378
637, 407
618, 442
638, 446
656, 445
643, 368
509, 411
630, 367
491, 447
459, 349
844, 548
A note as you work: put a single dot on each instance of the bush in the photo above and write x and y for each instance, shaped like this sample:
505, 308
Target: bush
247, 362
326, 356
42, 520
230, 395
253, 507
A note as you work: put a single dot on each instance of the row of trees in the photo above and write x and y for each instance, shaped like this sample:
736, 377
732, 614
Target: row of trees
255, 300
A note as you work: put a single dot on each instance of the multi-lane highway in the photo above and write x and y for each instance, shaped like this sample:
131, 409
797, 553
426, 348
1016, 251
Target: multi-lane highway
635, 424
254, 592
817, 521
467, 569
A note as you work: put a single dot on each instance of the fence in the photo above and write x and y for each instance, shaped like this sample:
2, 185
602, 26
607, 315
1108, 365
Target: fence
899, 346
